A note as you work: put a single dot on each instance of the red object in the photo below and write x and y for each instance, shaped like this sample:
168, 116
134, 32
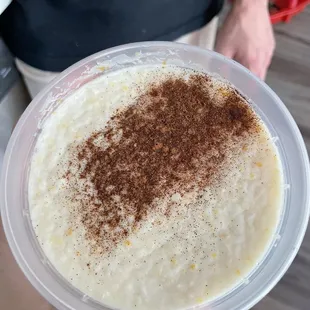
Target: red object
284, 10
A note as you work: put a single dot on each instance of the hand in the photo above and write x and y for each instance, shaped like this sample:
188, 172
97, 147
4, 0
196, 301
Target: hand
247, 36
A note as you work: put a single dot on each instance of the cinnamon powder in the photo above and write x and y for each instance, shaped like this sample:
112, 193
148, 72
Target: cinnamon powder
175, 138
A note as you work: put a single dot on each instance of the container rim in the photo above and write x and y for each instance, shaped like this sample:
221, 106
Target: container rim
24, 265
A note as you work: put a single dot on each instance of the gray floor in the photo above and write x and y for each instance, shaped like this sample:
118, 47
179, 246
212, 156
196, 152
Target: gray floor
289, 77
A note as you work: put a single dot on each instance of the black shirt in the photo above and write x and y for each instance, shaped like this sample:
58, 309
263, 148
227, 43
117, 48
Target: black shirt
53, 34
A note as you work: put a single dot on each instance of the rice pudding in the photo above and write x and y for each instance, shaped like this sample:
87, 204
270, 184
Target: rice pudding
154, 187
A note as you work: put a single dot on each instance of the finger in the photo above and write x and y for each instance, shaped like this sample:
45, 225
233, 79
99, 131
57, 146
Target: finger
255, 62
225, 52
263, 73
254, 67
259, 69
265, 62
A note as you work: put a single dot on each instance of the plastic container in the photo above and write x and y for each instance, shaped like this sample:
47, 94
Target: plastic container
292, 152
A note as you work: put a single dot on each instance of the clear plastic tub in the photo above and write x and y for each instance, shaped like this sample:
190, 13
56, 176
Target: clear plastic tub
292, 151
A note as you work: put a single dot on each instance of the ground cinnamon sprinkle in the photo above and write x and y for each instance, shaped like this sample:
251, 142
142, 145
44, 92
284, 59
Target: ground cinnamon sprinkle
176, 138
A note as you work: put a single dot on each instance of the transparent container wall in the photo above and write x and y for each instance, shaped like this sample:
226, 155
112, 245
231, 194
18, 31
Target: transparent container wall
14, 203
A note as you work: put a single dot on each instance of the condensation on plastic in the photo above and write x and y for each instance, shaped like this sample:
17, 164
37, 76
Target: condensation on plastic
286, 136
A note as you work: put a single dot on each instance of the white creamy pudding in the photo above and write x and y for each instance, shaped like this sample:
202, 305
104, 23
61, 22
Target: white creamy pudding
155, 188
